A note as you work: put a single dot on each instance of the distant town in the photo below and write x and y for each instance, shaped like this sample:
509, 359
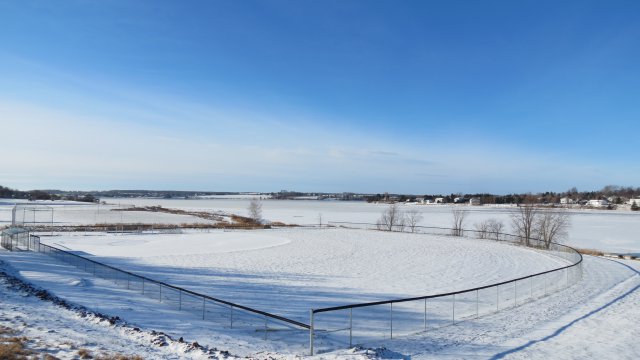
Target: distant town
610, 197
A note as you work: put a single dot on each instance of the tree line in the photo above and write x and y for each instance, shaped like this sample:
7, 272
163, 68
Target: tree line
534, 226
618, 193
8, 193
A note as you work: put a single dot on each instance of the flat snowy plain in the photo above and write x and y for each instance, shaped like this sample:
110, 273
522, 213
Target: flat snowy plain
611, 231
289, 271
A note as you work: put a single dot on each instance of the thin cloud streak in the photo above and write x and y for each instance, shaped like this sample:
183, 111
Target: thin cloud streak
79, 151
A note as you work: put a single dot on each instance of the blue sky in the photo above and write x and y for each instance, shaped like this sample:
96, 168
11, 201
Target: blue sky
366, 96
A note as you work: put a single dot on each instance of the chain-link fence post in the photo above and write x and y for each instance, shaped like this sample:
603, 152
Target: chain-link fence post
425, 314
453, 309
350, 327
311, 334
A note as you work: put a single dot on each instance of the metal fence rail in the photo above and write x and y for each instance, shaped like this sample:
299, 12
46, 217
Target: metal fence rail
223, 312
367, 322
18, 239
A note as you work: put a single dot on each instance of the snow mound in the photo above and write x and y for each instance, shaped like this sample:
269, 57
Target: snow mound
79, 282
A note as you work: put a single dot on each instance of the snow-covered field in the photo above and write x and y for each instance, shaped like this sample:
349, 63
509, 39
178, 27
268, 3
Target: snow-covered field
87, 214
289, 271
591, 319
610, 231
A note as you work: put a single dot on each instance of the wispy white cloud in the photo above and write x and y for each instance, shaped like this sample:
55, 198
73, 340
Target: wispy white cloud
81, 151
106, 135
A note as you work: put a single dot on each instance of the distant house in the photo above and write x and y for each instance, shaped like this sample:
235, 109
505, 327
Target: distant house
597, 203
475, 201
460, 200
617, 199
439, 201
636, 201
566, 201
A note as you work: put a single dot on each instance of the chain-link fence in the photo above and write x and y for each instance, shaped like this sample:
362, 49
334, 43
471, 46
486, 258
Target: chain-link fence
367, 323
18, 239
347, 325
224, 313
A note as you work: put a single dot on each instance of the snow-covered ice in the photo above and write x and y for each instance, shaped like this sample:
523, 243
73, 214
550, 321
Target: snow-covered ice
289, 271
613, 231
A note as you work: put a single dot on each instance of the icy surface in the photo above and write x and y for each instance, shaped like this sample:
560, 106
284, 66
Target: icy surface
288, 271
614, 231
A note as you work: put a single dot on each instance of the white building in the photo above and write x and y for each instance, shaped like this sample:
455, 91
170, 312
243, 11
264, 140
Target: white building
566, 201
636, 201
475, 201
598, 203
439, 201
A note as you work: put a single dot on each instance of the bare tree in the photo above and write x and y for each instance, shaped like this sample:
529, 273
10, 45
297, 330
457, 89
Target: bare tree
482, 229
458, 221
401, 223
413, 217
495, 228
255, 210
390, 218
552, 226
524, 222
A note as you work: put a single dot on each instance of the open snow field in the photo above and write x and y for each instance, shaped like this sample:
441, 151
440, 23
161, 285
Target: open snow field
88, 214
289, 271
611, 231
592, 319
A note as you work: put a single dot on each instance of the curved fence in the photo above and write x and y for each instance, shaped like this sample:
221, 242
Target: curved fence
222, 312
373, 321
341, 326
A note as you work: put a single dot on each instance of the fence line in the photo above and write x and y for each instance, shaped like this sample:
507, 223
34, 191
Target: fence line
421, 311
227, 312
369, 321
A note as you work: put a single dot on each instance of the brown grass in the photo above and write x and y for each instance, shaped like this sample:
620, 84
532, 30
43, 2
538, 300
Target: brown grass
13, 348
590, 252
6, 331
244, 221
85, 354
119, 357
